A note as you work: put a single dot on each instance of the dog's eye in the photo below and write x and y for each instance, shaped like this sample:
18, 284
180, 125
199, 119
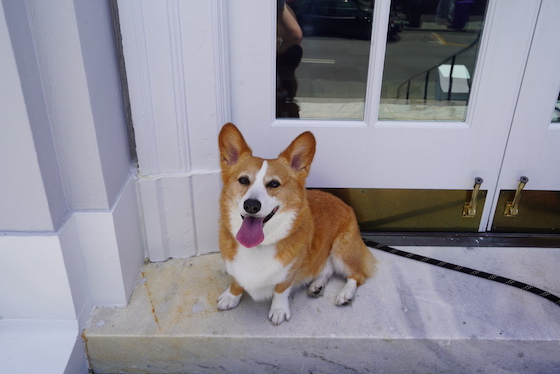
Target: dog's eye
273, 184
244, 181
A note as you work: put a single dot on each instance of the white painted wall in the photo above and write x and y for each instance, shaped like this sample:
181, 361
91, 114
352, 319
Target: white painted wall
39, 288
66, 127
22, 193
70, 233
100, 61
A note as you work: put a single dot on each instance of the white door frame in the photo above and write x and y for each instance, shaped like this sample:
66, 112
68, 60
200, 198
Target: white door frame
190, 66
176, 62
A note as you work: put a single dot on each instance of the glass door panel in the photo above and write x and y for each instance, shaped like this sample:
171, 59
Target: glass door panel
430, 59
323, 49
556, 111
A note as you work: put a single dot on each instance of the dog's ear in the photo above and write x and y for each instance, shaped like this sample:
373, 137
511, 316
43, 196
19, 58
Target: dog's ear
231, 144
300, 152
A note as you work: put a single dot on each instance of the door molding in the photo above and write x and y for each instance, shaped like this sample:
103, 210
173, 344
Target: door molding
176, 62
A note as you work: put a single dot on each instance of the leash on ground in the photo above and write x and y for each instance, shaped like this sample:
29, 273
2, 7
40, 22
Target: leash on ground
477, 273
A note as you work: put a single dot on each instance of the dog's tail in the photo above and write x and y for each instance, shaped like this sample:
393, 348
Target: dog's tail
359, 262
370, 263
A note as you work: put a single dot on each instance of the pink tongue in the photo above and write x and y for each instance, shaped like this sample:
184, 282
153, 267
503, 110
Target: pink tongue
251, 232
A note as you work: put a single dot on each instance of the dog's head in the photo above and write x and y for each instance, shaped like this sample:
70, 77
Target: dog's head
260, 198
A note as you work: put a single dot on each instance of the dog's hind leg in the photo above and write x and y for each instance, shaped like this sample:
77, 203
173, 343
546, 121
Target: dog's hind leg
354, 278
315, 289
351, 258
347, 292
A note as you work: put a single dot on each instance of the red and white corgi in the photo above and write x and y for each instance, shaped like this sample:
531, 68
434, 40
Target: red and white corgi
275, 234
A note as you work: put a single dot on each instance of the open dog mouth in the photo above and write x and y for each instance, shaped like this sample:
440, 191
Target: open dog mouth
267, 218
251, 232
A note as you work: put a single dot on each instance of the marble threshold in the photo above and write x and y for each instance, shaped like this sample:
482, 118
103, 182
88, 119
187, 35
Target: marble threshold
411, 317
389, 110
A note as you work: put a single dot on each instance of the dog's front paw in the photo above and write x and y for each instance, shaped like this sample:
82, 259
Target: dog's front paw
228, 301
279, 315
280, 308
347, 293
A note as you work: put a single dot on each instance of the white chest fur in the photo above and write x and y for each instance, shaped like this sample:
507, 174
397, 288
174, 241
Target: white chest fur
257, 271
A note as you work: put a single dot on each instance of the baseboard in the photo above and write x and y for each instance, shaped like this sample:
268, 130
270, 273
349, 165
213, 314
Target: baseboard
180, 214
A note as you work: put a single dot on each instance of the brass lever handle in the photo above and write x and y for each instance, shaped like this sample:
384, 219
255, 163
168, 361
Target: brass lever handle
512, 207
469, 209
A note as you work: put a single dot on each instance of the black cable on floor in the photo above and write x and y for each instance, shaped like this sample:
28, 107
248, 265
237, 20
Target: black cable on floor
477, 273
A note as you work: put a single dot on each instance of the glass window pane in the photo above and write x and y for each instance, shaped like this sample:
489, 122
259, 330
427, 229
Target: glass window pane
322, 58
430, 59
556, 112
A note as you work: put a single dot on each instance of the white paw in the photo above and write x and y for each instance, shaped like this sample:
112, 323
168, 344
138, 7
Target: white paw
280, 308
228, 301
277, 316
347, 292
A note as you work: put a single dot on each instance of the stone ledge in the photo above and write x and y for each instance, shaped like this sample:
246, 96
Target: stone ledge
412, 317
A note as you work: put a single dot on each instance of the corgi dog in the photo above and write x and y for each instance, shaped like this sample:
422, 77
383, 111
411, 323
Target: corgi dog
275, 234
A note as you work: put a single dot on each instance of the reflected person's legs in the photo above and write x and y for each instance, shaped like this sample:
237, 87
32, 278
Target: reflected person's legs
289, 53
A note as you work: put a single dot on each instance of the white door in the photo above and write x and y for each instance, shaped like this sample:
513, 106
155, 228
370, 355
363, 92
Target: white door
380, 153
533, 148
191, 66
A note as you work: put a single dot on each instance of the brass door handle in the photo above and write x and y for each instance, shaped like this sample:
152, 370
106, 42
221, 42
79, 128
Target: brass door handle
512, 207
469, 209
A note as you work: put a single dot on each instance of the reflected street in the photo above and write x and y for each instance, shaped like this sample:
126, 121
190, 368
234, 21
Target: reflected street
429, 59
337, 68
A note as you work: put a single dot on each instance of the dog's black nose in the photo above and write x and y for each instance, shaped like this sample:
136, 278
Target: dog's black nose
252, 206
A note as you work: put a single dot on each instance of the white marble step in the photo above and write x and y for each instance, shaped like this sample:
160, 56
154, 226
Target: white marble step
411, 317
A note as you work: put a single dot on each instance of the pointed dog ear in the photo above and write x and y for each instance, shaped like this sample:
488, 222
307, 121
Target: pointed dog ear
232, 145
300, 152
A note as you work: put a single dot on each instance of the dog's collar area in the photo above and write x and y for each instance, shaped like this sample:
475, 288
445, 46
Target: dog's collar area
267, 218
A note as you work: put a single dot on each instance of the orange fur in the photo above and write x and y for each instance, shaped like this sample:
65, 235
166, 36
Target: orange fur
323, 227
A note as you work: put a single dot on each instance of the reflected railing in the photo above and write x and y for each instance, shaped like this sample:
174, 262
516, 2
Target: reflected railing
431, 85
428, 66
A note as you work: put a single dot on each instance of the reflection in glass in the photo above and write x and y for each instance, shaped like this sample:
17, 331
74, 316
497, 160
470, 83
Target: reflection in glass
288, 58
323, 73
556, 112
429, 65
